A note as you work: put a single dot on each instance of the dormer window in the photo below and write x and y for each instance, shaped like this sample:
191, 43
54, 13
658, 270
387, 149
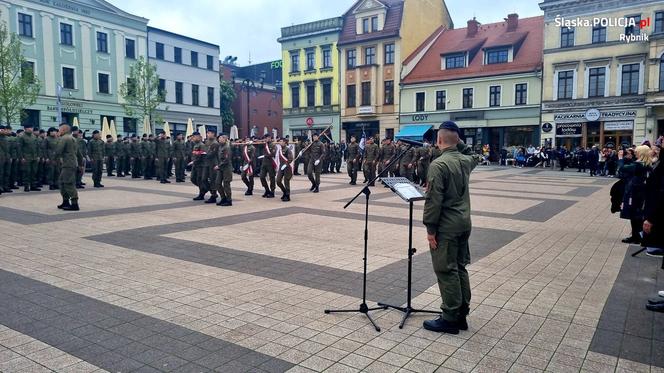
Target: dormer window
369, 24
374, 24
497, 56
365, 25
455, 61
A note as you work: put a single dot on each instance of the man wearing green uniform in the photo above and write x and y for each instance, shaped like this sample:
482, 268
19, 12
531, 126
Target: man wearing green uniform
4, 155
109, 151
14, 163
28, 153
248, 166
423, 162
199, 168
407, 162
387, 151
370, 160
447, 219
316, 152
135, 157
120, 156
285, 169
210, 174
224, 170
145, 157
96, 153
161, 157
41, 167
52, 163
267, 168
353, 160
82, 156
70, 158
179, 157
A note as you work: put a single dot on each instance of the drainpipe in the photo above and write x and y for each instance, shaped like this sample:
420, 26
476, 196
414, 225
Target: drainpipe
541, 77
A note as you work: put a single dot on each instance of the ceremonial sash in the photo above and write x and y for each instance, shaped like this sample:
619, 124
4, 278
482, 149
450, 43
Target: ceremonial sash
275, 159
249, 168
284, 159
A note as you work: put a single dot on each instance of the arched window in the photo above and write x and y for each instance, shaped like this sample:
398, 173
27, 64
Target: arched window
661, 74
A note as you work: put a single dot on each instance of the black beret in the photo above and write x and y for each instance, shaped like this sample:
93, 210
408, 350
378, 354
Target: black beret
196, 133
52, 129
95, 132
28, 125
450, 126
109, 136
75, 128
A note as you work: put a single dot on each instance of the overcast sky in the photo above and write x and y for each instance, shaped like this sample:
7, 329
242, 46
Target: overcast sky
246, 28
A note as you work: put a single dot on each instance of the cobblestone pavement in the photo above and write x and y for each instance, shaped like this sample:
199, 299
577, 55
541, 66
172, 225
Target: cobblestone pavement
144, 279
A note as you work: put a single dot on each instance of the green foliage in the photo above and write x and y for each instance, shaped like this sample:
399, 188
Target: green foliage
141, 92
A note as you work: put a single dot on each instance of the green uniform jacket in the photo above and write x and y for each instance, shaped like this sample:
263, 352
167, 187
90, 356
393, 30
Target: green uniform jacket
423, 154
135, 149
224, 156
179, 149
152, 148
82, 150
447, 206
371, 152
386, 152
43, 151
145, 148
353, 152
109, 149
4, 148
199, 159
161, 149
435, 153
118, 148
316, 151
51, 147
96, 149
67, 150
212, 147
251, 154
28, 147
13, 147
409, 157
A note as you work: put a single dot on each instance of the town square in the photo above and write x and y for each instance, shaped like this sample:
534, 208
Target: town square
351, 186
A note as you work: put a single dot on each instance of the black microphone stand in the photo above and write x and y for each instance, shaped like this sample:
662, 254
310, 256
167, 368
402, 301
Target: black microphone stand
364, 308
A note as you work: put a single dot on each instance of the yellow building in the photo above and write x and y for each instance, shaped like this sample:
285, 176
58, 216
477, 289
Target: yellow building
377, 35
598, 67
311, 77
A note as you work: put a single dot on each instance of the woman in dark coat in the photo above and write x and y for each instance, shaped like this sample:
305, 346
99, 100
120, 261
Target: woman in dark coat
653, 213
634, 168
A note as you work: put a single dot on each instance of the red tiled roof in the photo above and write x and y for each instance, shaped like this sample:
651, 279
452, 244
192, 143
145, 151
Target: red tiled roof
390, 29
527, 40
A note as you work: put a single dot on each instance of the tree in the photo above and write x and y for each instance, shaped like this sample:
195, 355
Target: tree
227, 95
141, 91
18, 85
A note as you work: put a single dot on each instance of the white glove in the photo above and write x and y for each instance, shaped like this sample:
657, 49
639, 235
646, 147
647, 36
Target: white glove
284, 167
317, 162
261, 157
245, 167
300, 153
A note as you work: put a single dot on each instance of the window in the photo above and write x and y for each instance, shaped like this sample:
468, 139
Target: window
661, 74
129, 125
130, 49
66, 34
327, 93
456, 61
350, 95
389, 92
441, 100
103, 83
28, 69
311, 95
366, 93
177, 55
194, 94
159, 48
565, 84
389, 53
327, 58
365, 25
494, 96
521, 94
25, 25
295, 61
467, 98
659, 22
131, 88
162, 87
497, 56
596, 79
295, 96
68, 80
369, 55
566, 37
633, 29
194, 59
630, 79
210, 63
102, 42
210, 97
351, 59
599, 34
311, 60
374, 24
178, 93
420, 98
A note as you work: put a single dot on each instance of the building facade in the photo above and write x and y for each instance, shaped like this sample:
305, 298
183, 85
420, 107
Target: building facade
376, 37
486, 78
189, 76
86, 47
595, 81
311, 77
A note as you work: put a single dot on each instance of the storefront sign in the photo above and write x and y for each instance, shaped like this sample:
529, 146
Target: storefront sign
603, 116
420, 117
625, 125
365, 110
66, 6
70, 107
310, 122
569, 129
592, 115
276, 64
547, 127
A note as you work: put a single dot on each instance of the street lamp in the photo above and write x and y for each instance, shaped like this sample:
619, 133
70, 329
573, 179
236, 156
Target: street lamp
250, 85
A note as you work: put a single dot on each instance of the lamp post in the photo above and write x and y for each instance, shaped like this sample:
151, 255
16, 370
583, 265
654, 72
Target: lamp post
250, 85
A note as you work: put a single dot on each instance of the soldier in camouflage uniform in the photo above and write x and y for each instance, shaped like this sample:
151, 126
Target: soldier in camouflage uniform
268, 172
179, 156
135, 155
199, 168
162, 153
210, 174
224, 171
387, 151
120, 156
285, 169
316, 153
96, 151
298, 148
353, 160
408, 161
14, 166
81, 157
423, 162
370, 160
248, 167
41, 168
338, 158
109, 151
29, 152
52, 163
145, 157
69, 158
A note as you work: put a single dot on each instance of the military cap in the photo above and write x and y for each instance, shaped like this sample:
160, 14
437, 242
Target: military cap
42, 131
196, 133
95, 132
74, 128
450, 126
19, 131
52, 129
2, 127
28, 125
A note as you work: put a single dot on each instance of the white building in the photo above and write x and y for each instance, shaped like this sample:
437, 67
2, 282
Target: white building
189, 73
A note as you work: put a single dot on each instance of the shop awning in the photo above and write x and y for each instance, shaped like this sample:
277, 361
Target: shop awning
413, 131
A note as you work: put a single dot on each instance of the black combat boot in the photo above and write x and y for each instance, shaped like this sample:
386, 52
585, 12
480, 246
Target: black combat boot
316, 190
26, 188
71, 207
286, 198
441, 325
249, 192
228, 202
221, 203
200, 197
270, 194
65, 203
35, 189
313, 186
213, 199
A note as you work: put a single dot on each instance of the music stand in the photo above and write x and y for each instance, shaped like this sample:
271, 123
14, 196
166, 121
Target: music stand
364, 308
410, 193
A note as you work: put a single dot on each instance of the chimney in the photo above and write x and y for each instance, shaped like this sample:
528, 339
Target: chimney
512, 22
473, 26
